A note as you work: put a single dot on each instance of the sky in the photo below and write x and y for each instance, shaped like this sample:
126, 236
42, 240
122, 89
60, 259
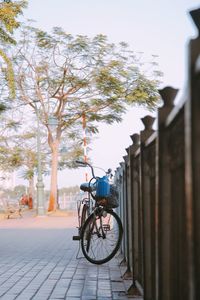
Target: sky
156, 27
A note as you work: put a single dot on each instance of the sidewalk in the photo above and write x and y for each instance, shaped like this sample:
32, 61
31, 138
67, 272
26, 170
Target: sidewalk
38, 261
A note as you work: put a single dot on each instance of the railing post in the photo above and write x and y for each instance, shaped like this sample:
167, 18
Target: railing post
134, 212
147, 218
192, 117
163, 205
123, 199
125, 212
118, 183
128, 271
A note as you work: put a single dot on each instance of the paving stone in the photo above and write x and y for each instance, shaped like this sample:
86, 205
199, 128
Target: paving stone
104, 293
87, 297
9, 297
38, 262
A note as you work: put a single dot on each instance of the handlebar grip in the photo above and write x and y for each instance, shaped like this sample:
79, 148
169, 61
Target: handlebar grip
81, 162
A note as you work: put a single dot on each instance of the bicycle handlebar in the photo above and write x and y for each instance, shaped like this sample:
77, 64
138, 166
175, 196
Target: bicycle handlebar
81, 162
84, 163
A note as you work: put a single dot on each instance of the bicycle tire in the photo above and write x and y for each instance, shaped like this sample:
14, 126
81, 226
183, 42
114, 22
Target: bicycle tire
101, 236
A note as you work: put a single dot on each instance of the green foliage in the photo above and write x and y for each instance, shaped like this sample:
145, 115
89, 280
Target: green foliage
15, 158
3, 107
67, 158
8, 19
8, 73
17, 145
9, 11
28, 174
145, 90
10, 159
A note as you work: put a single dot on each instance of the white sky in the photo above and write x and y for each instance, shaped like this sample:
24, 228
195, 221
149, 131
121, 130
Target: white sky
151, 26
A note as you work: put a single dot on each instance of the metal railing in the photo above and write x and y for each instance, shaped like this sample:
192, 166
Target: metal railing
159, 182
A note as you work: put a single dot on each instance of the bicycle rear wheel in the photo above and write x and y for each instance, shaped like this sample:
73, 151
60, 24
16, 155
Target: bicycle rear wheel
101, 236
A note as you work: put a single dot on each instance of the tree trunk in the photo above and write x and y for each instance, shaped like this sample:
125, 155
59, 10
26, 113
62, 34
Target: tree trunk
31, 192
53, 186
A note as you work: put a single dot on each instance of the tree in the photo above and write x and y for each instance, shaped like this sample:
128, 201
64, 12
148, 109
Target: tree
66, 77
13, 194
9, 11
18, 150
17, 146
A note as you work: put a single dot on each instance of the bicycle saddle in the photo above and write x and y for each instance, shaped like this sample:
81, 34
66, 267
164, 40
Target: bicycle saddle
86, 187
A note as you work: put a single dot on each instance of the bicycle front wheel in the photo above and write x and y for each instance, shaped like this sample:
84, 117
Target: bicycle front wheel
101, 236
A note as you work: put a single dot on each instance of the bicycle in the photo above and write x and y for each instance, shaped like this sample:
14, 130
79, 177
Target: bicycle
100, 228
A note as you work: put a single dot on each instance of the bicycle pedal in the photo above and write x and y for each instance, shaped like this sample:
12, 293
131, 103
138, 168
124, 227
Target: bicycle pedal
76, 238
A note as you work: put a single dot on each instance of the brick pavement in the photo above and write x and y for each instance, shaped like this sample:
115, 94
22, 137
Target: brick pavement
38, 261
